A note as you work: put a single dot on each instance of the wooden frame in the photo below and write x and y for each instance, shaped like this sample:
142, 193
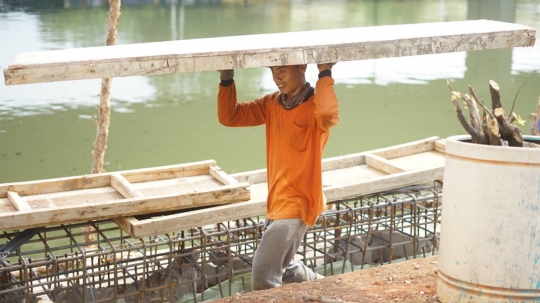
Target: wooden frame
110, 195
344, 176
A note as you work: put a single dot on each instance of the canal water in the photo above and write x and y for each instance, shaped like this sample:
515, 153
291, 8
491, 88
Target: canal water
47, 130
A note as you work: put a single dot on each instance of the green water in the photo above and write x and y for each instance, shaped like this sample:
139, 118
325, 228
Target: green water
47, 131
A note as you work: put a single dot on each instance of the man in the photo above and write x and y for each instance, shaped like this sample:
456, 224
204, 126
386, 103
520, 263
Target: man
298, 121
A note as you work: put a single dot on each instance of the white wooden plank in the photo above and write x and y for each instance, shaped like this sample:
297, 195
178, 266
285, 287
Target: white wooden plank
19, 203
250, 51
382, 164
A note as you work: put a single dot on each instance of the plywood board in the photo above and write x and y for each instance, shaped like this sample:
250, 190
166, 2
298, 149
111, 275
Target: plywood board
115, 194
321, 46
343, 177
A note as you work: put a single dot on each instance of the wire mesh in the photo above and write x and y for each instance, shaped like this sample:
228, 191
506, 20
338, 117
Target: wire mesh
97, 262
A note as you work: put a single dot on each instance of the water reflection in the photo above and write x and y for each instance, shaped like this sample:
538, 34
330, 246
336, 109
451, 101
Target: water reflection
47, 129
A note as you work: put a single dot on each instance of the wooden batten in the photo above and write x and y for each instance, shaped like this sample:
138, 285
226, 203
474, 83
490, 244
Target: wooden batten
216, 172
321, 46
124, 187
383, 164
19, 203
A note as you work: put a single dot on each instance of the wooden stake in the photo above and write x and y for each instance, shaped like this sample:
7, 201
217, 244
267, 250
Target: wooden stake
104, 116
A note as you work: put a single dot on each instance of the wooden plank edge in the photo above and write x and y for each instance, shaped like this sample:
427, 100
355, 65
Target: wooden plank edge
161, 225
383, 165
407, 149
19, 203
334, 193
168, 172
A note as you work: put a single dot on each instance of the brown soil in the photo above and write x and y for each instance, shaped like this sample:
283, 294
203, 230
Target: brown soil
412, 281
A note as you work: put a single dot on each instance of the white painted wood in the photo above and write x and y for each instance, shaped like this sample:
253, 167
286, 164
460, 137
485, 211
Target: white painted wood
265, 50
19, 203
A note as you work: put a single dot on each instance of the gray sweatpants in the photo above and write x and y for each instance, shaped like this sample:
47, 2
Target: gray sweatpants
273, 262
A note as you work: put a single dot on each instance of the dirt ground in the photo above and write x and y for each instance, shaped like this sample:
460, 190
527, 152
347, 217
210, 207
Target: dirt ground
412, 281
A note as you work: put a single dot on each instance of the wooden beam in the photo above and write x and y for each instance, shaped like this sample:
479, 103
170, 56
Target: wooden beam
383, 164
19, 203
266, 50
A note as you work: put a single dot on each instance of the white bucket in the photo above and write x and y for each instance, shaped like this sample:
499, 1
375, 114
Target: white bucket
490, 231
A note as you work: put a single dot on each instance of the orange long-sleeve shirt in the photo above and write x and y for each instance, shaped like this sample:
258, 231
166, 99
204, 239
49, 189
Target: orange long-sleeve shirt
295, 141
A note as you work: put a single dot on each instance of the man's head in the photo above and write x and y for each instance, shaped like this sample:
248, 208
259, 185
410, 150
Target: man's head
290, 79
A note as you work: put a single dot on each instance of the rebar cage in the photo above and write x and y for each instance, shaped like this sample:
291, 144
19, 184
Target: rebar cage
98, 262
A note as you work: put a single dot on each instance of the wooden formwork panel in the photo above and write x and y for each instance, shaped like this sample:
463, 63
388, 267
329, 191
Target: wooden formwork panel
110, 195
343, 177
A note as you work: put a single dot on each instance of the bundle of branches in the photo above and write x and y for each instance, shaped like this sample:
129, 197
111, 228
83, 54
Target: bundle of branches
494, 128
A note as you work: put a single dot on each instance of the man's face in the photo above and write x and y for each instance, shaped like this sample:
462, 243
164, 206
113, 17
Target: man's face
289, 79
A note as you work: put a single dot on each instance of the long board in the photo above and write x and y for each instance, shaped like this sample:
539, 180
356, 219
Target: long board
110, 195
235, 52
343, 177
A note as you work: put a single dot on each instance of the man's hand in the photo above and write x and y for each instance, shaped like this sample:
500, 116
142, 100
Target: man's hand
325, 66
226, 74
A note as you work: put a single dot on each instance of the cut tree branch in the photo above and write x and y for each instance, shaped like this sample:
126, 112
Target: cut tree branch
508, 132
495, 95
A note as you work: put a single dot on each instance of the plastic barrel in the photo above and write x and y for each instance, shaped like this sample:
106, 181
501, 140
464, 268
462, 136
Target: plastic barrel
490, 230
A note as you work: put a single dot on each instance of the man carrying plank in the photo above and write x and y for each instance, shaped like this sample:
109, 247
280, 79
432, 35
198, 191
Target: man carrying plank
298, 120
